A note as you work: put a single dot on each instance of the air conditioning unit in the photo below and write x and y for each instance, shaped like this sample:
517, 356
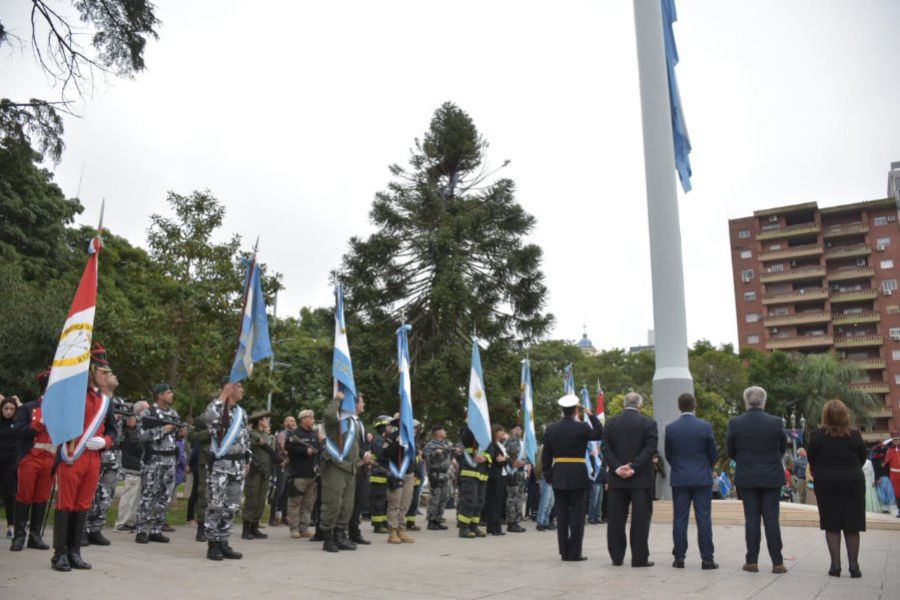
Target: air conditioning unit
881, 247
888, 292
774, 330
773, 219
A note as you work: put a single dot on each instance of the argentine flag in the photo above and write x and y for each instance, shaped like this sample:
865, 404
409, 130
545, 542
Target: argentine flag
63, 405
407, 426
529, 443
342, 367
569, 380
478, 419
681, 141
254, 344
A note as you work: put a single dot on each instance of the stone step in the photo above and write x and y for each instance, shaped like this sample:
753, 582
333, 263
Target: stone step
731, 512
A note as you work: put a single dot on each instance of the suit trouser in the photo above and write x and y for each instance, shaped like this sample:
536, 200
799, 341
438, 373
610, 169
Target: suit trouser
641, 501
359, 497
764, 503
570, 505
701, 498
493, 502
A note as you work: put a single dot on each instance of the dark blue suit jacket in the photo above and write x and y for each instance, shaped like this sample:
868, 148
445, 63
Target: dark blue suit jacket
756, 442
691, 451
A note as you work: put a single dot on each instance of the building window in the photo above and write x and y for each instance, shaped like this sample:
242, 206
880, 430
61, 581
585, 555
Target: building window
780, 311
893, 309
774, 247
895, 333
744, 233
881, 220
887, 264
889, 285
746, 254
776, 268
752, 339
751, 317
897, 378
747, 276
895, 354
883, 242
749, 296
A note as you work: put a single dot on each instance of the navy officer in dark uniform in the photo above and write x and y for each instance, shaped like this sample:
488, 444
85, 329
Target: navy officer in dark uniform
563, 461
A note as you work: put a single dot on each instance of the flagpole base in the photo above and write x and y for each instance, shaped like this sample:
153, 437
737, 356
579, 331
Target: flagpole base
666, 390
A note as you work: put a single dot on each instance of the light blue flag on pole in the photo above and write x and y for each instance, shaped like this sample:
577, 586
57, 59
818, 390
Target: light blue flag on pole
478, 418
681, 141
568, 380
407, 426
724, 485
529, 443
592, 462
254, 344
342, 367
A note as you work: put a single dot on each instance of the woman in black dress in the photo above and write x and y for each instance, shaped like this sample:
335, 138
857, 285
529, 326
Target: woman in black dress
836, 456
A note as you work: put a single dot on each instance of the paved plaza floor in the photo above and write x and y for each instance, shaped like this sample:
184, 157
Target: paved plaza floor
440, 565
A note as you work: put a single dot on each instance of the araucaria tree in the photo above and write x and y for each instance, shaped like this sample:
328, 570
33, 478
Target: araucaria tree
449, 258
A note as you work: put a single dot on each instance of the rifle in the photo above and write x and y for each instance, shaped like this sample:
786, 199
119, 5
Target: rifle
296, 440
128, 411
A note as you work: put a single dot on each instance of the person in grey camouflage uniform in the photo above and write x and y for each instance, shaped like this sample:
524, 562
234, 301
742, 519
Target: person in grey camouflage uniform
516, 476
438, 458
110, 466
225, 474
158, 470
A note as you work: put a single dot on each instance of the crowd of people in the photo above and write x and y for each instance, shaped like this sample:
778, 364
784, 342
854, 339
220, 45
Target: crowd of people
324, 479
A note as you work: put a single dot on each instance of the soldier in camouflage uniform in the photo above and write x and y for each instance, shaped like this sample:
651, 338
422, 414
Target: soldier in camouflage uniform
110, 465
226, 466
158, 471
438, 457
257, 485
516, 476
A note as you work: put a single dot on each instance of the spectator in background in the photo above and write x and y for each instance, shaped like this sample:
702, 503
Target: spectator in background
836, 456
132, 461
280, 492
9, 450
798, 476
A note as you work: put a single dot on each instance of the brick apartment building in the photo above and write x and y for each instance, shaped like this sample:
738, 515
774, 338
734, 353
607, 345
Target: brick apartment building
810, 280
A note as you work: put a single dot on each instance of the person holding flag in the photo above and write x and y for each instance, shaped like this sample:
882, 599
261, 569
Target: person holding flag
474, 460
226, 421
342, 443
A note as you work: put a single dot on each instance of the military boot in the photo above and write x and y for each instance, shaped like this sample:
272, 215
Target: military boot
76, 530
406, 539
256, 533
340, 538
228, 551
96, 538
466, 532
60, 560
37, 523
380, 528
213, 552
201, 533
515, 528
478, 532
329, 545
394, 537
246, 534
20, 516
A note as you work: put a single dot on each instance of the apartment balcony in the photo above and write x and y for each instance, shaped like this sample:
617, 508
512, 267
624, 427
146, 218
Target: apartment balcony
803, 341
848, 251
796, 296
858, 341
816, 272
869, 364
854, 273
847, 229
792, 252
854, 295
853, 319
789, 231
872, 387
883, 412
797, 319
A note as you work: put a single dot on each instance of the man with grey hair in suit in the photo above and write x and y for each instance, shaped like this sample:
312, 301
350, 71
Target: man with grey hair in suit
756, 442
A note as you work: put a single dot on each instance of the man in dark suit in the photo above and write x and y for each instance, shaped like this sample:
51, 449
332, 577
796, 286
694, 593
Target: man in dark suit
756, 442
630, 440
691, 453
563, 463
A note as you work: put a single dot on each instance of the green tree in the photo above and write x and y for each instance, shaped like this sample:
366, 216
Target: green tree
823, 377
448, 257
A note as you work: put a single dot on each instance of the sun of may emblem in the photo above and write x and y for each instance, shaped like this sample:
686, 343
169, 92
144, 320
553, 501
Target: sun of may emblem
478, 394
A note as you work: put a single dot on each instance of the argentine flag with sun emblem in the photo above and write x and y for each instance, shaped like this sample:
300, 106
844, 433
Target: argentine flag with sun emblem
478, 419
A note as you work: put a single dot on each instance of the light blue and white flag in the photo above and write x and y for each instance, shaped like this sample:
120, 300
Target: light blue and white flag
681, 141
407, 436
478, 418
529, 443
724, 484
254, 344
568, 380
592, 461
342, 367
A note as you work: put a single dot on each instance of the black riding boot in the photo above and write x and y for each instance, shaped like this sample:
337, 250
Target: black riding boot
20, 517
76, 529
60, 560
37, 523
201, 532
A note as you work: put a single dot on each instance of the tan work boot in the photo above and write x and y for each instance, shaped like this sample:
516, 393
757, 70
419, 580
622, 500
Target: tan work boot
394, 537
306, 533
405, 538
295, 534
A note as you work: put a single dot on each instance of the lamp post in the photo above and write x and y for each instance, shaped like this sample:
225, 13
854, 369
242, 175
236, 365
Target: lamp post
793, 437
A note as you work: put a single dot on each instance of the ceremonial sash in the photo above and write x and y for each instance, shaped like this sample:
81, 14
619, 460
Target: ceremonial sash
237, 421
88, 433
340, 454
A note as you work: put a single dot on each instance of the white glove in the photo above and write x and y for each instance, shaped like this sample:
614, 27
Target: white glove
96, 443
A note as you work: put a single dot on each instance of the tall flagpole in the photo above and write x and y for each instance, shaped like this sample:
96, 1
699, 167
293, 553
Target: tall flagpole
672, 376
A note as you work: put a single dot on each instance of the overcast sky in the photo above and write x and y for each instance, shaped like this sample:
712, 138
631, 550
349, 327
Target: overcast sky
290, 113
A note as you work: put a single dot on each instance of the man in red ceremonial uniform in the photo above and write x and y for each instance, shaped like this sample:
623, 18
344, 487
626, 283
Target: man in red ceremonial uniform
37, 454
892, 462
79, 469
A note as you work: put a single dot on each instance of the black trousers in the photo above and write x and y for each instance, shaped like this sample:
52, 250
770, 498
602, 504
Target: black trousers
362, 481
641, 502
762, 503
570, 507
493, 503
